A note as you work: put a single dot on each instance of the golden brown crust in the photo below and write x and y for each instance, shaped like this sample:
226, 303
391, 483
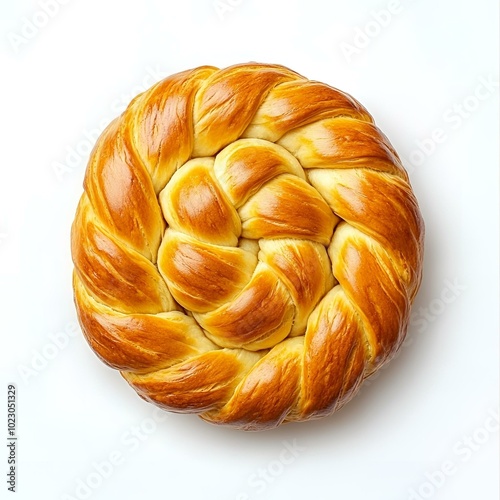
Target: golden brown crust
202, 276
247, 247
333, 345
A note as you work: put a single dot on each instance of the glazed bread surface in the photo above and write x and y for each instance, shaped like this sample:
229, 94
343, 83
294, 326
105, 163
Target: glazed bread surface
247, 247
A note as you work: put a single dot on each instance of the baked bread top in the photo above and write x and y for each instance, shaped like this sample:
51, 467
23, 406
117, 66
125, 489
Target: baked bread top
247, 246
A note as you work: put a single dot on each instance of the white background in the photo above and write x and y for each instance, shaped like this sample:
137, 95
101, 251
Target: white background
64, 80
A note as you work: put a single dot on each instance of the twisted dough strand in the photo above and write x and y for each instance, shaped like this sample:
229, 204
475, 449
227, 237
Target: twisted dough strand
247, 246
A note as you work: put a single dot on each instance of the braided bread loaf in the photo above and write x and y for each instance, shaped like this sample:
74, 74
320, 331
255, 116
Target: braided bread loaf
247, 246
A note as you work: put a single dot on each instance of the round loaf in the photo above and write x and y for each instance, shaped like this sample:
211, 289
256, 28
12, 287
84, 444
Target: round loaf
247, 246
